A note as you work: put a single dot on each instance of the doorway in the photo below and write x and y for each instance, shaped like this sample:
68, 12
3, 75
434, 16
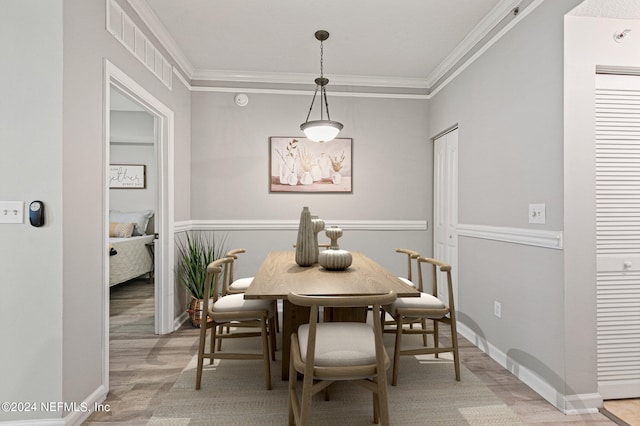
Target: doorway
445, 206
164, 282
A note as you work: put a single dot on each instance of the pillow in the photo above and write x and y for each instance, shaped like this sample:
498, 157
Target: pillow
120, 230
140, 219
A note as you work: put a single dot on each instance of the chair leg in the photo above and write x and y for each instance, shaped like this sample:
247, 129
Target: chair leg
376, 409
265, 352
294, 403
214, 336
381, 396
454, 342
305, 405
423, 324
396, 351
201, 345
272, 338
220, 332
436, 339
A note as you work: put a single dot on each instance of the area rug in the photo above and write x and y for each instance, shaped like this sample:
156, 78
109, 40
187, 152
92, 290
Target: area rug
233, 393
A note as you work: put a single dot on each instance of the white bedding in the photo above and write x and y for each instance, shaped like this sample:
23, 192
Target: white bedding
132, 258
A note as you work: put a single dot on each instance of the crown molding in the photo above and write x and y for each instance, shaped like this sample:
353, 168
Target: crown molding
488, 23
302, 78
261, 91
432, 82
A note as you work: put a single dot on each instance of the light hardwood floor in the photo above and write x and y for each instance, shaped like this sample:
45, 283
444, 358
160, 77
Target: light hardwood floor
143, 366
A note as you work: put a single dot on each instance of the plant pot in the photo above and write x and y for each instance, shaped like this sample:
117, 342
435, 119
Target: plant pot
195, 311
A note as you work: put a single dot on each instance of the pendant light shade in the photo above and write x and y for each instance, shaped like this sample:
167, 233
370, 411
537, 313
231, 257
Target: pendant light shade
321, 130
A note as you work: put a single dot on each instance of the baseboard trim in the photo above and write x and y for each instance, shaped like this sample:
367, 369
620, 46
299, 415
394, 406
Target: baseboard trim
92, 403
526, 236
180, 321
292, 225
567, 404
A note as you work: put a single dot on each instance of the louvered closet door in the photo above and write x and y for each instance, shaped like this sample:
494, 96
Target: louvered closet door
618, 234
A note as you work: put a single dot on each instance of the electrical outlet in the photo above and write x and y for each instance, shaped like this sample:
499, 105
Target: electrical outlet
497, 309
11, 212
537, 213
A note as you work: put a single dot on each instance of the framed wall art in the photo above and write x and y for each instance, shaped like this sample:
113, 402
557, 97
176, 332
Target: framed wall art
300, 165
127, 176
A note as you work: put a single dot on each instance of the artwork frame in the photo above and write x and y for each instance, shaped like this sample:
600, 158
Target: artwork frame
299, 165
127, 176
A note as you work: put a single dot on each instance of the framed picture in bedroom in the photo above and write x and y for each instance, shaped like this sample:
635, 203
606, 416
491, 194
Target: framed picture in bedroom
127, 176
300, 165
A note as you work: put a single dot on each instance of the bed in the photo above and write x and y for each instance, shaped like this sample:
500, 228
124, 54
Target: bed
129, 255
131, 258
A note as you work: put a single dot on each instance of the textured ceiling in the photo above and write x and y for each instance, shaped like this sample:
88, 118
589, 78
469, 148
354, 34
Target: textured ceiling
620, 9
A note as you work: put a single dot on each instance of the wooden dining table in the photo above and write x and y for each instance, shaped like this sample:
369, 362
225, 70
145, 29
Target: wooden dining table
280, 275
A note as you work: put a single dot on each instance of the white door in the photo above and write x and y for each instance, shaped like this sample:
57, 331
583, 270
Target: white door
618, 235
445, 207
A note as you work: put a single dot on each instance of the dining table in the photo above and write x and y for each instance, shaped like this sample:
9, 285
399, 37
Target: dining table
280, 275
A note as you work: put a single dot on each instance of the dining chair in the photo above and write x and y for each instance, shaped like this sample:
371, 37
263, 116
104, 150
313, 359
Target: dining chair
389, 322
427, 307
326, 352
234, 310
411, 255
233, 285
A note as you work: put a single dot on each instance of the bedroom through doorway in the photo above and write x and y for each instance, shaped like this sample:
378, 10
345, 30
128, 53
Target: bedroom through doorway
133, 188
159, 225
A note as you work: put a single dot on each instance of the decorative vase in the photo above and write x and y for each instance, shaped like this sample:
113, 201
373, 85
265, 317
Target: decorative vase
333, 233
306, 178
306, 249
336, 178
287, 168
335, 260
325, 166
318, 225
195, 311
316, 173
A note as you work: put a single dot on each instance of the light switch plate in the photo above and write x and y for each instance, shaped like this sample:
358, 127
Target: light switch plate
537, 213
11, 211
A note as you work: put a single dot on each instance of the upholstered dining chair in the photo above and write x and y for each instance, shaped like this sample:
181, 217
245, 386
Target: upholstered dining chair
233, 285
336, 351
425, 307
409, 280
234, 310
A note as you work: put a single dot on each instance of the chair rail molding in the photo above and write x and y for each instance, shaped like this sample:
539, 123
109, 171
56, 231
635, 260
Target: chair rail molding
526, 236
277, 225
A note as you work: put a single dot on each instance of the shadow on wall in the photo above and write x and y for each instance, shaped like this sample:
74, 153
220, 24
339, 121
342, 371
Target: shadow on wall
517, 359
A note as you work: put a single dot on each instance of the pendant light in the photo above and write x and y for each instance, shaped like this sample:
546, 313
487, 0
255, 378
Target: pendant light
321, 130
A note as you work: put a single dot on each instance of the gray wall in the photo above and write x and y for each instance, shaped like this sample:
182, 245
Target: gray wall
509, 106
31, 169
392, 170
86, 45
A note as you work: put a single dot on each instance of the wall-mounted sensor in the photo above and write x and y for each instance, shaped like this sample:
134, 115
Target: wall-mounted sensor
241, 99
36, 213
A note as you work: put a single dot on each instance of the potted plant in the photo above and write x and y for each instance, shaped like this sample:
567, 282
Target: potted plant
195, 252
